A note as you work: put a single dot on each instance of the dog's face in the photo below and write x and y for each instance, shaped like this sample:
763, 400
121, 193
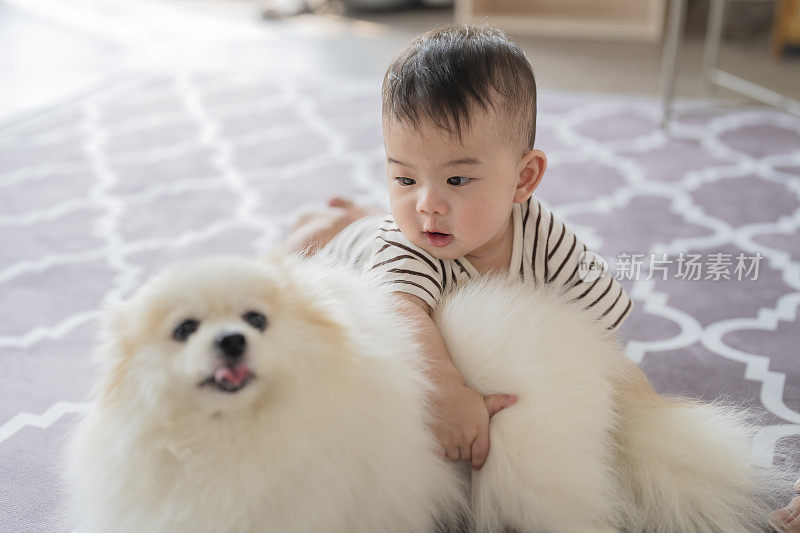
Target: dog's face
218, 335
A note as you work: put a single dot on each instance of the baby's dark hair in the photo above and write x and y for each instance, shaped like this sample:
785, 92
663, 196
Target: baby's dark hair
446, 71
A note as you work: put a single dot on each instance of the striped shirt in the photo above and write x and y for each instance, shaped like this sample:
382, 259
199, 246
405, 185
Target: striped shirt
545, 250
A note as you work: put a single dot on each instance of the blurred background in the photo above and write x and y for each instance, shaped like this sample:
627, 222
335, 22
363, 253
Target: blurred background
49, 48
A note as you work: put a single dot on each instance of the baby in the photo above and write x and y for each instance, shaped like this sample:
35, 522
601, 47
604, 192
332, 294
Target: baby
459, 121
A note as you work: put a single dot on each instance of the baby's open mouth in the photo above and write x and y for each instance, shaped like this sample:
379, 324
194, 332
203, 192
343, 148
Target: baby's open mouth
229, 378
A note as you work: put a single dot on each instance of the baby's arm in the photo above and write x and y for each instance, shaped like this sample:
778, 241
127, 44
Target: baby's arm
462, 415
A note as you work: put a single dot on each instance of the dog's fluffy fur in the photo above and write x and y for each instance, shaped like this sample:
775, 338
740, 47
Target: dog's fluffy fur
330, 432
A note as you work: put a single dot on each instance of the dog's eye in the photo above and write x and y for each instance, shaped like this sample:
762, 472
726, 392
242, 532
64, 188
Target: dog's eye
255, 319
184, 329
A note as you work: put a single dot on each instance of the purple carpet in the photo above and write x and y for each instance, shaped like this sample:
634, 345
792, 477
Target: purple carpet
99, 192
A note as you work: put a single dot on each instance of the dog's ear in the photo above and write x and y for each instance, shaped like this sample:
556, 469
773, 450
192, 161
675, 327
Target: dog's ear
115, 350
116, 332
277, 255
117, 318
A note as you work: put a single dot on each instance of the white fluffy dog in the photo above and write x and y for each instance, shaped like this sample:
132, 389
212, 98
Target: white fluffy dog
288, 396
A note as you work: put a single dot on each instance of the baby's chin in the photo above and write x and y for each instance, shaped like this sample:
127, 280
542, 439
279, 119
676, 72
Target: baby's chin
444, 256
445, 253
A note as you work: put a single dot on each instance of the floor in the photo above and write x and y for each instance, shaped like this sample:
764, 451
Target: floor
51, 49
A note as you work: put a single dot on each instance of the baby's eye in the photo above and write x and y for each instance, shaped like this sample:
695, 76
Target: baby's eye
458, 180
405, 181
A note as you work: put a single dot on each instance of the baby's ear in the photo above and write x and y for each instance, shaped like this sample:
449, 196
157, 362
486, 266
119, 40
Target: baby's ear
531, 170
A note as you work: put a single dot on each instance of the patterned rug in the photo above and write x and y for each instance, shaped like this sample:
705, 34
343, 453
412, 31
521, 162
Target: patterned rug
97, 193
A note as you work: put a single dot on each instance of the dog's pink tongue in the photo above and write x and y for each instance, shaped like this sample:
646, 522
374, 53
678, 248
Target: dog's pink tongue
234, 375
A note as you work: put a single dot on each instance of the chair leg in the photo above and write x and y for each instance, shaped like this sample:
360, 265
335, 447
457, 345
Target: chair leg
669, 57
716, 16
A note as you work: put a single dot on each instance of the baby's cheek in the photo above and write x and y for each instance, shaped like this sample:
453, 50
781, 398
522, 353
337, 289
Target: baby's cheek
478, 227
403, 217
400, 202
484, 217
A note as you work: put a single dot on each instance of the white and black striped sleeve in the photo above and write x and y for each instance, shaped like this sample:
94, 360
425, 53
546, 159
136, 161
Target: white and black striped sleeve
406, 267
604, 295
353, 245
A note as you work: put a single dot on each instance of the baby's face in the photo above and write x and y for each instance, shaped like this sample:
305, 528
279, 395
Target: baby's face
452, 198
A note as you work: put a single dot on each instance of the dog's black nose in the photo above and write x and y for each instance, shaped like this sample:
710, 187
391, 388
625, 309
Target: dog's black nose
231, 345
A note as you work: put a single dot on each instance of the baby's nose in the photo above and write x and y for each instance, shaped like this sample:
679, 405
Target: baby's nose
431, 203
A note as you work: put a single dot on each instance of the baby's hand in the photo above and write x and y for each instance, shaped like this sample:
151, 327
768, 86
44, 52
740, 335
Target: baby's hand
462, 421
789, 517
